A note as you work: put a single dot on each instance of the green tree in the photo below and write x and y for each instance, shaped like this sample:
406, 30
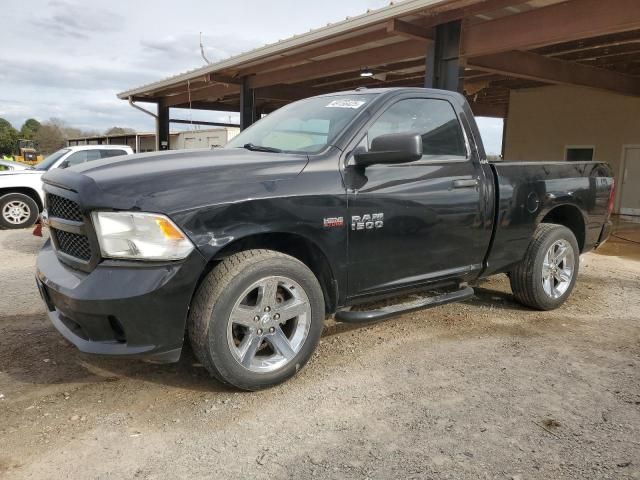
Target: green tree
8, 137
50, 136
30, 128
120, 131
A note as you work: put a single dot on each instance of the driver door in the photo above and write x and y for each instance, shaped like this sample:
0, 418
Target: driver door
417, 222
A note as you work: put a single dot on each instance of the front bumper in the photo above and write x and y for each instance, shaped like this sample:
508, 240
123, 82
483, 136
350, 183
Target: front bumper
120, 308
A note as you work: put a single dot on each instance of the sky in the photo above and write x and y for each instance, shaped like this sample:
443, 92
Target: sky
68, 59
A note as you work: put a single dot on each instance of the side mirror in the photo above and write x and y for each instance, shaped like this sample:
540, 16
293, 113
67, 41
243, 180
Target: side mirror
392, 148
64, 164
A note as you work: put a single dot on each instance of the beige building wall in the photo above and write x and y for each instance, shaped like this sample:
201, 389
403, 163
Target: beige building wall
207, 138
544, 121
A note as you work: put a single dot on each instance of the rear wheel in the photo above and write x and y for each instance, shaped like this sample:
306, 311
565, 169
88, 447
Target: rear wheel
546, 276
256, 319
17, 211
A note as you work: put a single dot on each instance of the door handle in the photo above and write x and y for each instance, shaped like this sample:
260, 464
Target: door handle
465, 183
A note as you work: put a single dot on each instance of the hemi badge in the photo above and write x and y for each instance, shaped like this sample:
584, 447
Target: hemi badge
332, 222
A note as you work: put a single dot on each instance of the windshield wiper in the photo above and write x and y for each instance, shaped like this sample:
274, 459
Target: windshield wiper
260, 148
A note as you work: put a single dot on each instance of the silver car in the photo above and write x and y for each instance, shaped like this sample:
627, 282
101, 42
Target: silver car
11, 165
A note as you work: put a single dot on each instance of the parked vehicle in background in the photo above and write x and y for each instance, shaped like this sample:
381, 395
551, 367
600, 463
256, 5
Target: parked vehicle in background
21, 195
27, 152
10, 165
325, 204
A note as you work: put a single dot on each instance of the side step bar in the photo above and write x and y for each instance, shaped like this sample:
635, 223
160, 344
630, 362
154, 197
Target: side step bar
350, 316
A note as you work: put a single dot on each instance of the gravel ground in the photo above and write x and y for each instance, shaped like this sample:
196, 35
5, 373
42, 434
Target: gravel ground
482, 389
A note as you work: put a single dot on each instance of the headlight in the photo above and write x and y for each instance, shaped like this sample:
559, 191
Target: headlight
140, 236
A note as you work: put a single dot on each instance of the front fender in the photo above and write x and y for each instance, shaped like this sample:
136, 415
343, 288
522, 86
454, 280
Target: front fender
215, 228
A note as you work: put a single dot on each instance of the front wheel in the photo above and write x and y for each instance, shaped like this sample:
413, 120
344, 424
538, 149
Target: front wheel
546, 276
256, 319
17, 211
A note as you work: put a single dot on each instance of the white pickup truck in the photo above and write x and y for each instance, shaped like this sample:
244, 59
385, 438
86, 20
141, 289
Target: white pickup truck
21, 196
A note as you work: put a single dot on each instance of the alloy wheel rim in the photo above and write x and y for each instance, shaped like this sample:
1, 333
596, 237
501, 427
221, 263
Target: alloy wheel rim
269, 324
16, 212
558, 268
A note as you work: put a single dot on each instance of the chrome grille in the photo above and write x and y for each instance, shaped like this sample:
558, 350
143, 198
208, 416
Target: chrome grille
73, 244
64, 208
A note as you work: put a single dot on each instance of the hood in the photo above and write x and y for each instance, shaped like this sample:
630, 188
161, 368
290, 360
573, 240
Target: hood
21, 172
12, 166
175, 181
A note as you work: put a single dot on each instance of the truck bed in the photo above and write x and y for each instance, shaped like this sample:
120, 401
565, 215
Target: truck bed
529, 192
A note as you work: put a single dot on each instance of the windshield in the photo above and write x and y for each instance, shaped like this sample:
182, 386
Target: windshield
51, 159
307, 126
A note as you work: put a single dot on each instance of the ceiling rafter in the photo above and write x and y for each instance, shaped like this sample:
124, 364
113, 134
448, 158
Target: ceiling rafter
409, 30
311, 53
562, 22
344, 63
212, 92
533, 66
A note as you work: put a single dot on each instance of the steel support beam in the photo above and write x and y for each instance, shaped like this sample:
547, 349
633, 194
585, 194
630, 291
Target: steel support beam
247, 104
162, 127
444, 66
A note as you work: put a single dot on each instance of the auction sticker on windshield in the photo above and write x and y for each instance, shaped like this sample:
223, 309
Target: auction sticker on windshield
346, 104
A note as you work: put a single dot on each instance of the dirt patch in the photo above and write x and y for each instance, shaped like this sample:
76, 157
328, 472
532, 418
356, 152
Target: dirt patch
625, 241
482, 389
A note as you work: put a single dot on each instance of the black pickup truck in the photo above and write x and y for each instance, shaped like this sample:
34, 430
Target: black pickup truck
329, 203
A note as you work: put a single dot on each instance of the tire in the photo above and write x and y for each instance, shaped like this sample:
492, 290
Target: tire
17, 211
234, 324
537, 281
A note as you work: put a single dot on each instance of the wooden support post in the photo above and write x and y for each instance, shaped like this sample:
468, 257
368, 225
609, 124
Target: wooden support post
444, 68
259, 112
247, 104
430, 66
505, 121
162, 127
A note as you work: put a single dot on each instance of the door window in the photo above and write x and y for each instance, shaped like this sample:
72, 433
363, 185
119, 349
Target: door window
81, 157
111, 153
579, 154
435, 120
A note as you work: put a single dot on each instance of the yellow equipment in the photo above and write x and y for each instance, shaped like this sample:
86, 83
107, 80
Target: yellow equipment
28, 153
